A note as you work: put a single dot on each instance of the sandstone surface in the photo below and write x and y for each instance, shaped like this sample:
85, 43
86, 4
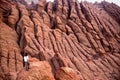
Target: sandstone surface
65, 40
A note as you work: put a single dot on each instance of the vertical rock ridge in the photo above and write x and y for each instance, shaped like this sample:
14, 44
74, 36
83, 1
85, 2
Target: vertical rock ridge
65, 40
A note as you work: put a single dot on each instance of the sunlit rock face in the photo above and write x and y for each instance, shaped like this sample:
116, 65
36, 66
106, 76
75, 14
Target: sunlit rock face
30, 1
65, 40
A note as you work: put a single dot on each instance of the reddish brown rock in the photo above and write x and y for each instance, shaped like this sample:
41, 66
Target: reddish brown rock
60, 24
112, 9
41, 5
64, 38
5, 6
65, 73
10, 57
38, 71
1, 17
13, 18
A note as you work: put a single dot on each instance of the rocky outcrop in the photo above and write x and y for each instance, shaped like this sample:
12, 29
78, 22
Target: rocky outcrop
13, 17
10, 56
112, 9
38, 71
65, 40
65, 73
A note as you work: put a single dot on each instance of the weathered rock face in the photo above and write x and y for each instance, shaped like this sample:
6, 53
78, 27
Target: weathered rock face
65, 73
65, 39
40, 70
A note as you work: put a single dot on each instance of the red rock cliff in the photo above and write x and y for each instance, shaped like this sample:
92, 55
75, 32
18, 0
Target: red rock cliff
65, 40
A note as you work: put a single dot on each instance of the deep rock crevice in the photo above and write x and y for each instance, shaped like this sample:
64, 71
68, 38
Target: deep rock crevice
65, 40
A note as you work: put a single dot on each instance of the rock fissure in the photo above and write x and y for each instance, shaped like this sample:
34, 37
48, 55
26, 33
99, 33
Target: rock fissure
65, 40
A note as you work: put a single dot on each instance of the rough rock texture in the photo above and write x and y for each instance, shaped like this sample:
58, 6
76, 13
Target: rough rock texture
65, 73
39, 71
65, 39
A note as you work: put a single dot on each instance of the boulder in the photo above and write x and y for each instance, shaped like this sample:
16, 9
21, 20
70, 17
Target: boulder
66, 73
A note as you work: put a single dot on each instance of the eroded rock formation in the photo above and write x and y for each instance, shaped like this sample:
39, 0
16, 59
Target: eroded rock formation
65, 39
